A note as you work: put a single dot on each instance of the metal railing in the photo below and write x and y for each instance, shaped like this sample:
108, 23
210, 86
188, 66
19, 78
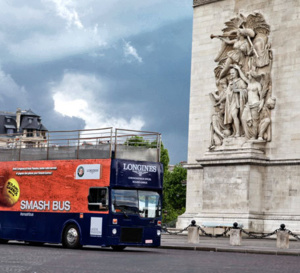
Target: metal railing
81, 144
130, 144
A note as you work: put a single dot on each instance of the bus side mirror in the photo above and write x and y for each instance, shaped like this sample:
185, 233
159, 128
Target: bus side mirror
158, 212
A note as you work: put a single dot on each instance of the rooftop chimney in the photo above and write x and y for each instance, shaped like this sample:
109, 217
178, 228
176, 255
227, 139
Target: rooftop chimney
18, 119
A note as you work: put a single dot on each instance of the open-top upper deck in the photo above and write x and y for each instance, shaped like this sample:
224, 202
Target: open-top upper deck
82, 144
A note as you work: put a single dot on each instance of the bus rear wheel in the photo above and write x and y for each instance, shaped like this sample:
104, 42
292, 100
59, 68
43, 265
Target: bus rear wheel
71, 237
118, 248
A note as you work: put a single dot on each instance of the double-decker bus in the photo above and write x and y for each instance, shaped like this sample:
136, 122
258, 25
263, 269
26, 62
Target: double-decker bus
91, 187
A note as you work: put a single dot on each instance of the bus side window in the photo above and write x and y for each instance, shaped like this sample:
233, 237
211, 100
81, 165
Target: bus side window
98, 199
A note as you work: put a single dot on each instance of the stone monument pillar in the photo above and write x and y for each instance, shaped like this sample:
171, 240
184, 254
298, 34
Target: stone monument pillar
244, 126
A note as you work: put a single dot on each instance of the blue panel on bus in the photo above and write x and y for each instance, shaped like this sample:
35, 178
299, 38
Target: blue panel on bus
48, 227
94, 228
136, 174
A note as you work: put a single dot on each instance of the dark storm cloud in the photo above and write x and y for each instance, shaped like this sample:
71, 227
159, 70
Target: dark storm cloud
133, 70
159, 87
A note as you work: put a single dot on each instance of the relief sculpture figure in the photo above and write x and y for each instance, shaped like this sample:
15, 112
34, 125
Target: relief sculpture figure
218, 129
235, 101
255, 102
265, 120
243, 109
241, 49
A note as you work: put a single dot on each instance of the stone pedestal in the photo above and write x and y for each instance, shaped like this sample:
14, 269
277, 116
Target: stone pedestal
238, 183
232, 185
282, 239
235, 237
193, 235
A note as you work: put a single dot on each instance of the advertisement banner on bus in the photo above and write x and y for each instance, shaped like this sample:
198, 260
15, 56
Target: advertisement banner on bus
136, 174
51, 186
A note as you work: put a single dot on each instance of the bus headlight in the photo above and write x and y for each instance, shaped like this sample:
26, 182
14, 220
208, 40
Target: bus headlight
158, 232
114, 231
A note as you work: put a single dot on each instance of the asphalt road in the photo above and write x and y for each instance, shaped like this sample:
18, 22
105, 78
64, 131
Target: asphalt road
17, 257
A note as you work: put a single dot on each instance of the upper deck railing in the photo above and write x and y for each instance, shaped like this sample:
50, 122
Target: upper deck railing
82, 144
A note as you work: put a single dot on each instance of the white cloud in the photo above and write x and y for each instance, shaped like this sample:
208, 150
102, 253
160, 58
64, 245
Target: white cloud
82, 96
66, 10
131, 53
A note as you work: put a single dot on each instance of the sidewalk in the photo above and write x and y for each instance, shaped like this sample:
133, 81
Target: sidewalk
221, 244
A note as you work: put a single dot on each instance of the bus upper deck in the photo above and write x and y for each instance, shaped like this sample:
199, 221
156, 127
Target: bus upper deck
82, 144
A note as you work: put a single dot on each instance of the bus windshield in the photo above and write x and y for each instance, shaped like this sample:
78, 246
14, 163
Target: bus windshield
146, 204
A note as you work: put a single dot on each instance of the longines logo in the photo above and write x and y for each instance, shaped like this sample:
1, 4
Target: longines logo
139, 169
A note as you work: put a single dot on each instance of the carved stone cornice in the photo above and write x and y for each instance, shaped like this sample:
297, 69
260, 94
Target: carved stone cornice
245, 161
197, 3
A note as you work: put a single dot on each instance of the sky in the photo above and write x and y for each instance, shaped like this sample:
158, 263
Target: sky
82, 64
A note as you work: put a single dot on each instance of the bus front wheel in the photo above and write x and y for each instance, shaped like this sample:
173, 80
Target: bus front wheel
118, 248
71, 237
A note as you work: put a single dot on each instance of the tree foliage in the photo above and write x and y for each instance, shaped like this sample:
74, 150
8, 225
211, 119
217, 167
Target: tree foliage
164, 158
138, 141
174, 188
174, 193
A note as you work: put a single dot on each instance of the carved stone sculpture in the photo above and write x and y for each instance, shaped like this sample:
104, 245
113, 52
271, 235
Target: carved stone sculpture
265, 120
245, 62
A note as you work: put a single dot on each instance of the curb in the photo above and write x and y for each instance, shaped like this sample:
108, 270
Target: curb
235, 250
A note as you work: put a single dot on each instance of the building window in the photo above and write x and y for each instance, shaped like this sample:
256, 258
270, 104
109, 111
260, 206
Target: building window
29, 144
29, 133
9, 131
30, 120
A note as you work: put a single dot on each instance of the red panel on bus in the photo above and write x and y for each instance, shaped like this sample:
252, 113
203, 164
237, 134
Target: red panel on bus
51, 186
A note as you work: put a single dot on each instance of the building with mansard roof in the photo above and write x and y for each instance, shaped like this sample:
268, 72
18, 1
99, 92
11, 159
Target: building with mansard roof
22, 125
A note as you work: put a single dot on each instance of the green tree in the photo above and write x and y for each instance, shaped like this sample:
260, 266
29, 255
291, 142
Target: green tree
174, 193
138, 141
164, 158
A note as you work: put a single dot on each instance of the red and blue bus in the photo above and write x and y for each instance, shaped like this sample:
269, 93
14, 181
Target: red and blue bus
102, 190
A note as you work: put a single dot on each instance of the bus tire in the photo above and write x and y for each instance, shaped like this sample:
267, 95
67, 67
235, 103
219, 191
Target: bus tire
71, 237
3, 241
118, 248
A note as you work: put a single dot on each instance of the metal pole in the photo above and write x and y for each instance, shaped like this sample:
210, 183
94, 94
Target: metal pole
116, 133
20, 151
158, 147
48, 143
110, 142
78, 144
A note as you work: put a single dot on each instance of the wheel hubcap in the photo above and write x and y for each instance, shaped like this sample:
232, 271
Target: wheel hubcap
72, 235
